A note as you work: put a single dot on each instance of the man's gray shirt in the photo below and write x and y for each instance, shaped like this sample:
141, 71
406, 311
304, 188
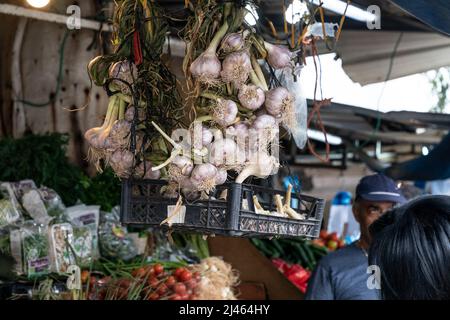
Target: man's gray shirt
341, 275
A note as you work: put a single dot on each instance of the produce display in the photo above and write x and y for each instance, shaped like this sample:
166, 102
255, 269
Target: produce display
296, 274
297, 251
94, 242
329, 240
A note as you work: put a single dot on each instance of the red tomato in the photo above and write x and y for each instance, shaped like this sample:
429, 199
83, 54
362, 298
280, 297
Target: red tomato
153, 282
140, 273
191, 283
162, 289
158, 269
170, 281
185, 276
153, 296
178, 272
179, 288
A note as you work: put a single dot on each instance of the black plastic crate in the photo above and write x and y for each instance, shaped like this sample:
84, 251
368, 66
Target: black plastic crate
143, 205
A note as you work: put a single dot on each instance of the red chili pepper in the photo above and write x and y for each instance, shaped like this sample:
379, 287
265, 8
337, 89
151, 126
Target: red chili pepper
137, 50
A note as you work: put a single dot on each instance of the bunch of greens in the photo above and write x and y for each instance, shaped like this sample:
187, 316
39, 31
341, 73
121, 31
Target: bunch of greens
42, 158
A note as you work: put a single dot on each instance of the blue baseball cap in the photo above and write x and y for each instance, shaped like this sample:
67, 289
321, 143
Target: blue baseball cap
380, 188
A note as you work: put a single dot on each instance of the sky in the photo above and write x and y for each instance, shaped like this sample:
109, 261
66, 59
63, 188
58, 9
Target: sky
412, 93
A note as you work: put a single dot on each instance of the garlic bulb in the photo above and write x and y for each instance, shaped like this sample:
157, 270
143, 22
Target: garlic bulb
126, 71
144, 171
206, 67
225, 152
233, 42
251, 97
203, 177
121, 162
221, 176
236, 68
278, 57
225, 112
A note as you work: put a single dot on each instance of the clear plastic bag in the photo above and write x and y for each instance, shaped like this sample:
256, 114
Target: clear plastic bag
114, 241
35, 249
10, 212
290, 79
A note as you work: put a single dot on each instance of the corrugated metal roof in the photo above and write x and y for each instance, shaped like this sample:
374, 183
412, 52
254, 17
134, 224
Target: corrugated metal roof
366, 55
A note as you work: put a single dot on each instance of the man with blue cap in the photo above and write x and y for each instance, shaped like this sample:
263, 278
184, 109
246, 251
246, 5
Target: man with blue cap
342, 275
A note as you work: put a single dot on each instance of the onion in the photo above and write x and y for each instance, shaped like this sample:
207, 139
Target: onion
278, 57
251, 97
144, 171
236, 68
260, 165
225, 112
203, 177
233, 42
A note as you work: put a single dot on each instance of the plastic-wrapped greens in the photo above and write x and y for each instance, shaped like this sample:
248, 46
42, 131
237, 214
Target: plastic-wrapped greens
35, 249
114, 241
9, 205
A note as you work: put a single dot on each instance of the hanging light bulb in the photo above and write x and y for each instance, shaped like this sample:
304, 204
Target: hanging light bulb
38, 3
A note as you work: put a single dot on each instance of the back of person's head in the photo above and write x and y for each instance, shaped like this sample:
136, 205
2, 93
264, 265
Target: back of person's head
411, 246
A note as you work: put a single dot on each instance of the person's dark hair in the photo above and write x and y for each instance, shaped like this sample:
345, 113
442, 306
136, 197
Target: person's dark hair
411, 246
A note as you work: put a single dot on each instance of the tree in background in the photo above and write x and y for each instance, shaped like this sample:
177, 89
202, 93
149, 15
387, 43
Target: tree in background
440, 82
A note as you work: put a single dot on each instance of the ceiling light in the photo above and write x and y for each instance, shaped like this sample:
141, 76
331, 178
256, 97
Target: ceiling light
38, 3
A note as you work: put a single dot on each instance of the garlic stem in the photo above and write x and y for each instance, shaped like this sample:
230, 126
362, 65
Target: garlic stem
255, 80
209, 95
204, 118
122, 107
259, 73
173, 143
175, 152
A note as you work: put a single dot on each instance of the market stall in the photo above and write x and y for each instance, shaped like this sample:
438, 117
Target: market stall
176, 129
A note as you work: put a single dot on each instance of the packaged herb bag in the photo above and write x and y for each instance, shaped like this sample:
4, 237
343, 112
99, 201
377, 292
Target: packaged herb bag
83, 216
61, 237
35, 207
9, 205
35, 249
52, 201
114, 240
82, 245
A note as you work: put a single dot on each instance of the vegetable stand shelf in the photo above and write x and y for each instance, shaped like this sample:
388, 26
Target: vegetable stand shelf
143, 205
